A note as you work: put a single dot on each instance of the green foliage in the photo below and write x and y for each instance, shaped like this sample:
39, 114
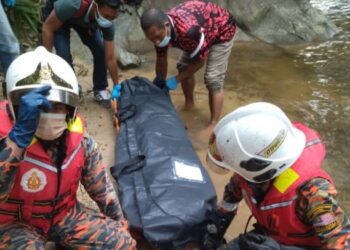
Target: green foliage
25, 18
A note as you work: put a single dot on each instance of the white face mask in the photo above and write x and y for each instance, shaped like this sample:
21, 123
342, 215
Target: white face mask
51, 126
101, 21
165, 41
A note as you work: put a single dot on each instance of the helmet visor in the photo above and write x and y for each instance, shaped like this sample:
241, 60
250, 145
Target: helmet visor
55, 95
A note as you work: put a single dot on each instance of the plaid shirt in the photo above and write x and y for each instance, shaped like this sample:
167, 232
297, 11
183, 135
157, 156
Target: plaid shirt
193, 18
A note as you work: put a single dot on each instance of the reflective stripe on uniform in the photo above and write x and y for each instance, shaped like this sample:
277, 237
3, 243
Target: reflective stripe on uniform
50, 167
310, 143
281, 204
230, 207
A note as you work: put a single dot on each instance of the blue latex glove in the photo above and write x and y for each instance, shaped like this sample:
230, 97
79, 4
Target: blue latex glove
28, 116
171, 82
10, 3
116, 91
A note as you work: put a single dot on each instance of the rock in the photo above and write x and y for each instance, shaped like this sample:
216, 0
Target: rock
128, 37
282, 22
274, 22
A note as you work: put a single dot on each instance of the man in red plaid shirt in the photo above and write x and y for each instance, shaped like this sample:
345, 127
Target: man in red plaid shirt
202, 30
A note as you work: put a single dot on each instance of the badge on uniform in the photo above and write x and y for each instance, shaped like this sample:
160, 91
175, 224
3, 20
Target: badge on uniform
33, 181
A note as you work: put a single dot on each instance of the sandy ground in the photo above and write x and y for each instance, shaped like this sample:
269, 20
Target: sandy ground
100, 124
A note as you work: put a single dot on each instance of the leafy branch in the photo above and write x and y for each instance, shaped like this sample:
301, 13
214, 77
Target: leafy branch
25, 19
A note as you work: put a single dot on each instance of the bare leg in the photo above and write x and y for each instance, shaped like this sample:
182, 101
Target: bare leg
216, 100
188, 90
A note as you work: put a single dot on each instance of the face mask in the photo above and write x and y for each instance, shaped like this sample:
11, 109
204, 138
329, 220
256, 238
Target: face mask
101, 21
165, 41
51, 126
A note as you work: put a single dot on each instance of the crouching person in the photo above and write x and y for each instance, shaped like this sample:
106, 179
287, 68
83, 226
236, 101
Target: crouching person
278, 173
44, 153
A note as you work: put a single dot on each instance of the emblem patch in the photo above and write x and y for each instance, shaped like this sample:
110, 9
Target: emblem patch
45, 72
325, 223
33, 181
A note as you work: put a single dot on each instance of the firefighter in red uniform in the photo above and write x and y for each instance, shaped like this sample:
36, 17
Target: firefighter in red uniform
279, 175
44, 154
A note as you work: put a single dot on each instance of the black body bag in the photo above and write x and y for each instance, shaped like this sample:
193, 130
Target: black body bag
164, 190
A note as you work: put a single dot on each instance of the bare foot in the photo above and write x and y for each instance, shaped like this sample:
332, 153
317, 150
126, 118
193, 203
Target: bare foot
206, 132
203, 135
187, 107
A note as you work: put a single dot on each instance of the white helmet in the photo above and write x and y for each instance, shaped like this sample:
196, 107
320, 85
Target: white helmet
257, 141
33, 69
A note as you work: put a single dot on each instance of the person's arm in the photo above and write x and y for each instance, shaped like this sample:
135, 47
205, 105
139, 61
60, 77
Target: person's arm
10, 157
97, 182
319, 207
227, 208
199, 53
162, 63
192, 68
220, 219
51, 24
111, 61
232, 196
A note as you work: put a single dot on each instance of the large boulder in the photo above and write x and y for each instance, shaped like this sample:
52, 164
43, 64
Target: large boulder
274, 21
282, 22
128, 36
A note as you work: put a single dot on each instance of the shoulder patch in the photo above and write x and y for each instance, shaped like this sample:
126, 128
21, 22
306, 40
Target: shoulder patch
320, 209
285, 180
325, 223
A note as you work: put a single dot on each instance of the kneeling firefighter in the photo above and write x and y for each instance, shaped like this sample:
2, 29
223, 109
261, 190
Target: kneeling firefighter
44, 153
278, 173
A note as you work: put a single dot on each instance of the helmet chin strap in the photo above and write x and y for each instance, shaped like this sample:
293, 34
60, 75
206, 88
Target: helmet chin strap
260, 190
